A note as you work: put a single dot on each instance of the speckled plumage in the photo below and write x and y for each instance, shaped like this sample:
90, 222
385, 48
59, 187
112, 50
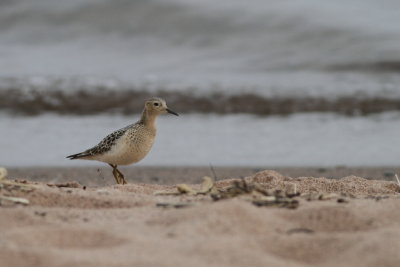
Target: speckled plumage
105, 145
129, 144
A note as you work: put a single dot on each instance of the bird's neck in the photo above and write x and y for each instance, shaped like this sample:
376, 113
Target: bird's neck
148, 119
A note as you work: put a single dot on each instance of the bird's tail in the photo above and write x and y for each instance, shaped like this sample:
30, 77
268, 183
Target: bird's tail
78, 155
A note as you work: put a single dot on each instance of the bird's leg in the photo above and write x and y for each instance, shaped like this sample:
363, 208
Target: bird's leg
119, 177
116, 176
114, 172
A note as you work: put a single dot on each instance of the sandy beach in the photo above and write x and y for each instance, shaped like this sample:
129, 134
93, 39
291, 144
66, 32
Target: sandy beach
349, 221
269, 94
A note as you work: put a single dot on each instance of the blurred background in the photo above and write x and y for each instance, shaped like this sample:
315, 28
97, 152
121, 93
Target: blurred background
257, 83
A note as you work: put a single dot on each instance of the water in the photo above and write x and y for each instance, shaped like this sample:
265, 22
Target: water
189, 39
82, 68
271, 48
200, 140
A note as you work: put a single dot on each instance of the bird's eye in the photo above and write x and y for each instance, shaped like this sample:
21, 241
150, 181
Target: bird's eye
156, 104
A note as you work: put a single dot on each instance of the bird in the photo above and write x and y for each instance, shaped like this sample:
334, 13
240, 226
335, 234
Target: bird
130, 144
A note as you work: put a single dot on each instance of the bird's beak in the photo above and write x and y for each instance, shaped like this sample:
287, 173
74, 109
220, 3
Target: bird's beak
172, 112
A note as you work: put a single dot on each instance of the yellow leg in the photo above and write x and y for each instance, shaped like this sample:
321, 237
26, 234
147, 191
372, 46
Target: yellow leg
119, 177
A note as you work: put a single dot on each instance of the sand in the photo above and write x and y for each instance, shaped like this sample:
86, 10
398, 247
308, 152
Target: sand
70, 224
101, 176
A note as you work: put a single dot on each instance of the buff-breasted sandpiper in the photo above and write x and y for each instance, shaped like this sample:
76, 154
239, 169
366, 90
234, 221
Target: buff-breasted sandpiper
129, 144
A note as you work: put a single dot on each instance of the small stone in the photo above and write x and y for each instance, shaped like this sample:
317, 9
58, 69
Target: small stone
342, 200
40, 213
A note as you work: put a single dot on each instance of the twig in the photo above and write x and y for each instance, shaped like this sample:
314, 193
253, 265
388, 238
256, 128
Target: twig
213, 172
397, 178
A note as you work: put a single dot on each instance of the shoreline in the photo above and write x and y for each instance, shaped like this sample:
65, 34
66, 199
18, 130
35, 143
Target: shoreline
167, 175
95, 101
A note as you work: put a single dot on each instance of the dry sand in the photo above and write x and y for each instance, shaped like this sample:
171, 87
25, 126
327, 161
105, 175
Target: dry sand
122, 225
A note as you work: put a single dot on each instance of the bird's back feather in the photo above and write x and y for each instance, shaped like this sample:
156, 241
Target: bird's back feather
105, 145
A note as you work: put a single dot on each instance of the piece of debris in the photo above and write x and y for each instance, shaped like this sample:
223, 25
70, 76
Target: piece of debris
277, 202
3, 173
8, 185
312, 196
73, 184
300, 230
41, 213
259, 196
185, 189
207, 187
342, 200
251, 191
8, 188
255, 193
176, 205
328, 196
4, 200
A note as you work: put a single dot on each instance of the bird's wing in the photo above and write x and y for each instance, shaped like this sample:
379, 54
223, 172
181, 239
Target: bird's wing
105, 145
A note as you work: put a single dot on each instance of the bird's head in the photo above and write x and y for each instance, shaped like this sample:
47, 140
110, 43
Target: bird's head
158, 106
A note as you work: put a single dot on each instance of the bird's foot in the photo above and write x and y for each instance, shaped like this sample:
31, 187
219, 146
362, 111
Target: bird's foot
119, 177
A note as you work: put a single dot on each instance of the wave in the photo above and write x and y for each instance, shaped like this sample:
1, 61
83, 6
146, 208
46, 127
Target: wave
129, 100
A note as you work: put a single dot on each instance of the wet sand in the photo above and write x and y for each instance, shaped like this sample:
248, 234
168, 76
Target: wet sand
352, 221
